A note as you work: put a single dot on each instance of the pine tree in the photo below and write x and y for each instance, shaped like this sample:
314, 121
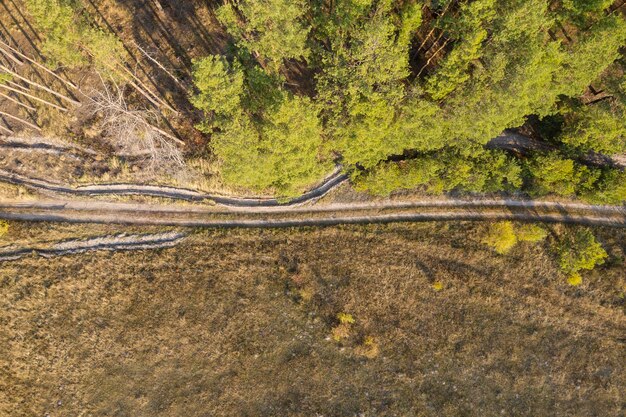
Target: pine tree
274, 30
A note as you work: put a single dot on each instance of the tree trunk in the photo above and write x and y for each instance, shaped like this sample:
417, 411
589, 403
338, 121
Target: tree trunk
37, 64
15, 90
19, 103
40, 86
27, 123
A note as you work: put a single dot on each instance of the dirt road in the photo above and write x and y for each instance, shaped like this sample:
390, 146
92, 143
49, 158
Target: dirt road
314, 215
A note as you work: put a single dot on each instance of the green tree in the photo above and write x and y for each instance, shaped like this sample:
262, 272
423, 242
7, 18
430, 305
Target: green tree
70, 39
610, 188
361, 80
274, 30
597, 48
553, 174
579, 250
599, 127
280, 153
578, 7
220, 89
56, 19
486, 171
273, 147
471, 31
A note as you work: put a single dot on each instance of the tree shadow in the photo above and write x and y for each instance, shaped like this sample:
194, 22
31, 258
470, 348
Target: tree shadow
29, 38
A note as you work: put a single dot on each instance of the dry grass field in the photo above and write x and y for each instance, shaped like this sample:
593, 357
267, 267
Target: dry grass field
246, 323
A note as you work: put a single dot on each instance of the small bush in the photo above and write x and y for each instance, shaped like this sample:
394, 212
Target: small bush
575, 279
342, 331
579, 250
345, 318
369, 348
531, 233
4, 227
501, 237
437, 285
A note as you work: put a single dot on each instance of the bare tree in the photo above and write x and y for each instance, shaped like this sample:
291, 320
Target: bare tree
133, 132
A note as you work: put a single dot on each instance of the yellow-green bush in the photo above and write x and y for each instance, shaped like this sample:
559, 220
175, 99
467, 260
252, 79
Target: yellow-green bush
579, 250
4, 227
501, 237
531, 233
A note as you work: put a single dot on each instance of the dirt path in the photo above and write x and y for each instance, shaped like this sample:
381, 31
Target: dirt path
107, 243
314, 215
171, 192
270, 212
276, 217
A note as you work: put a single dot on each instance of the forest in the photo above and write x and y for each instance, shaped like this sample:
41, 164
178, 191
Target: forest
312, 208
269, 96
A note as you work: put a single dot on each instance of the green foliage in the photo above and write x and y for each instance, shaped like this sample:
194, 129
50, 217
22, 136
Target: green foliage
574, 279
591, 55
4, 227
585, 6
345, 318
70, 40
530, 233
277, 148
470, 30
106, 52
553, 174
579, 250
360, 84
279, 152
501, 237
5, 77
56, 19
515, 78
485, 171
274, 29
220, 87
610, 188
598, 127
502, 66
504, 236
410, 21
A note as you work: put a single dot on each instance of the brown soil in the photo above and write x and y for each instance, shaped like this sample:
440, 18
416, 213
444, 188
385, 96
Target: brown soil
240, 324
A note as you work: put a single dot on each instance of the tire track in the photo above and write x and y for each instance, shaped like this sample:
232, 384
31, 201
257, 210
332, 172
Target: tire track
101, 243
316, 216
334, 180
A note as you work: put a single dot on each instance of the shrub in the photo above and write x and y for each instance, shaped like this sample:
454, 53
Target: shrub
501, 237
579, 250
575, 279
369, 348
342, 331
4, 227
531, 233
345, 318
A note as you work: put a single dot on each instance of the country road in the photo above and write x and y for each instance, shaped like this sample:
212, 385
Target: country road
260, 212
313, 215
